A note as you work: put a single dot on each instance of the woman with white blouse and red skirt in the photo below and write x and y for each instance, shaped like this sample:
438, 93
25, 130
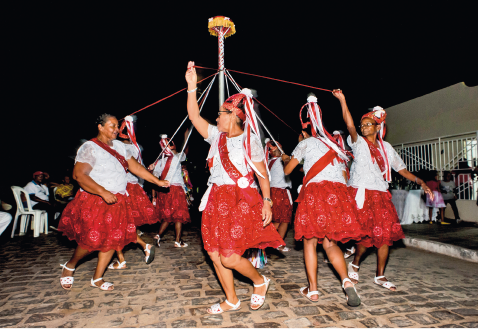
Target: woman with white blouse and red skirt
235, 217
326, 213
369, 177
100, 217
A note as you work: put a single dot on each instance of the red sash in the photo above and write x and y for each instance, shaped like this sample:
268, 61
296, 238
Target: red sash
115, 154
165, 171
320, 165
272, 163
377, 156
248, 193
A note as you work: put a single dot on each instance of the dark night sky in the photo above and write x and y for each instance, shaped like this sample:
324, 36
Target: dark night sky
66, 64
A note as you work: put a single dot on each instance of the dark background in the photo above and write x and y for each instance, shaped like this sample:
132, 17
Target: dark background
65, 64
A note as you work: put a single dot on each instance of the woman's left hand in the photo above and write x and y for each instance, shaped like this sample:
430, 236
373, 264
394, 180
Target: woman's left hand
266, 213
428, 191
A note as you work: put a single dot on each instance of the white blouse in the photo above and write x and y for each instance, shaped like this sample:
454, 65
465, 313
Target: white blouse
278, 178
107, 171
311, 150
174, 168
366, 174
219, 175
132, 179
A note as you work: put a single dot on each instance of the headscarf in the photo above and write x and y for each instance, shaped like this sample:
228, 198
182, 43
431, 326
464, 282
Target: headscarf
269, 148
318, 130
378, 114
128, 123
250, 124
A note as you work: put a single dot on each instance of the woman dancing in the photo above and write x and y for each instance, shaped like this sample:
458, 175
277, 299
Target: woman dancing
143, 210
171, 204
369, 178
280, 194
235, 218
100, 217
326, 214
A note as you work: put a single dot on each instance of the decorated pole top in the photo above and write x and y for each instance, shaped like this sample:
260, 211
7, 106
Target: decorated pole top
217, 22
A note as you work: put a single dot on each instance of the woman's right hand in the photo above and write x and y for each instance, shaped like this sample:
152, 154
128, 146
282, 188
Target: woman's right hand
191, 76
338, 94
151, 167
164, 183
109, 197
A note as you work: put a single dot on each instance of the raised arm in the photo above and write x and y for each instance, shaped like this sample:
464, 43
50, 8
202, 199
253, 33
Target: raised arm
346, 114
193, 110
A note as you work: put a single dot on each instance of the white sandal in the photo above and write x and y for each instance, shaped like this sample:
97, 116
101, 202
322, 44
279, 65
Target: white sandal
258, 299
67, 279
157, 237
386, 284
351, 250
149, 258
121, 266
309, 294
353, 298
284, 249
352, 274
216, 308
179, 245
105, 286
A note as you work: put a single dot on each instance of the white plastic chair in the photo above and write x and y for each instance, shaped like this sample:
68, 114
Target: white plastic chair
40, 217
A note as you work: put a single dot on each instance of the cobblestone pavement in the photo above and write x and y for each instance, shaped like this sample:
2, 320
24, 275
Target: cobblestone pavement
174, 291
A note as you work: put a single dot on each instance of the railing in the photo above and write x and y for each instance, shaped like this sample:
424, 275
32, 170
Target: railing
457, 153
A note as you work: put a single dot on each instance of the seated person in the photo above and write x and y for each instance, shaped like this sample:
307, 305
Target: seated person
5, 218
65, 191
39, 195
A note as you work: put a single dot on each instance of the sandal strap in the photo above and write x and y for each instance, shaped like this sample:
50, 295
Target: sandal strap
379, 277
94, 281
69, 269
146, 249
67, 280
257, 299
311, 293
347, 280
232, 305
106, 285
262, 284
351, 249
216, 309
353, 265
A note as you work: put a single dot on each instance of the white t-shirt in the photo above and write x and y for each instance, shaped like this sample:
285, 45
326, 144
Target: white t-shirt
219, 175
311, 150
107, 170
278, 178
40, 191
174, 168
367, 174
130, 177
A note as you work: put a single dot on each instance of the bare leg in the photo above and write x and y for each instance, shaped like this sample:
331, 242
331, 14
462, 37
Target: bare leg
103, 259
283, 229
120, 255
162, 228
226, 279
358, 255
336, 257
442, 214
382, 256
276, 225
430, 214
77, 256
244, 267
178, 227
310, 257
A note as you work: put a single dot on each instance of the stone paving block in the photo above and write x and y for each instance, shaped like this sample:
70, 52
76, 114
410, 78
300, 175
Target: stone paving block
350, 315
369, 323
466, 311
329, 308
445, 315
212, 320
11, 311
470, 324
306, 310
423, 319
119, 311
380, 311
165, 297
403, 308
415, 298
84, 315
401, 321
282, 303
6, 322
42, 309
373, 302
451, 325
192, 294
79, 305
44, 317
468, 303
298, 323
274, 315
205, 301
267, 325
184, 324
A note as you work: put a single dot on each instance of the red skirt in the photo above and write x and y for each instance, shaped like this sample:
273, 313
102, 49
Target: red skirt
379, 218
143, 210
172, 205
230, 225
281, 209
96, 225
327, 211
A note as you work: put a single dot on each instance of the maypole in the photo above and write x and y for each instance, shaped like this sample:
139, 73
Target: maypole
221, 27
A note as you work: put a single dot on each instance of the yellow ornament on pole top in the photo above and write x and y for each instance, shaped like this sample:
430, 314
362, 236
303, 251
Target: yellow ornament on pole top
218, 22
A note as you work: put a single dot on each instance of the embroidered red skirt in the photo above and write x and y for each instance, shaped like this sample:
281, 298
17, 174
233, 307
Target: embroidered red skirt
172, 205
379, 218
282, 209
230, 225
143, 210
96, 225
328, 210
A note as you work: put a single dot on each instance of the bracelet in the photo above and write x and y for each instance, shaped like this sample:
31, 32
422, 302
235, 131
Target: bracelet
190, 91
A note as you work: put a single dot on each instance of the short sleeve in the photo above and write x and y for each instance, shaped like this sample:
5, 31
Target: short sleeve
299, 151
183, 157
396, 161
86, 154
355, 145
29, 188
212, 132
257, 153
131, 151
